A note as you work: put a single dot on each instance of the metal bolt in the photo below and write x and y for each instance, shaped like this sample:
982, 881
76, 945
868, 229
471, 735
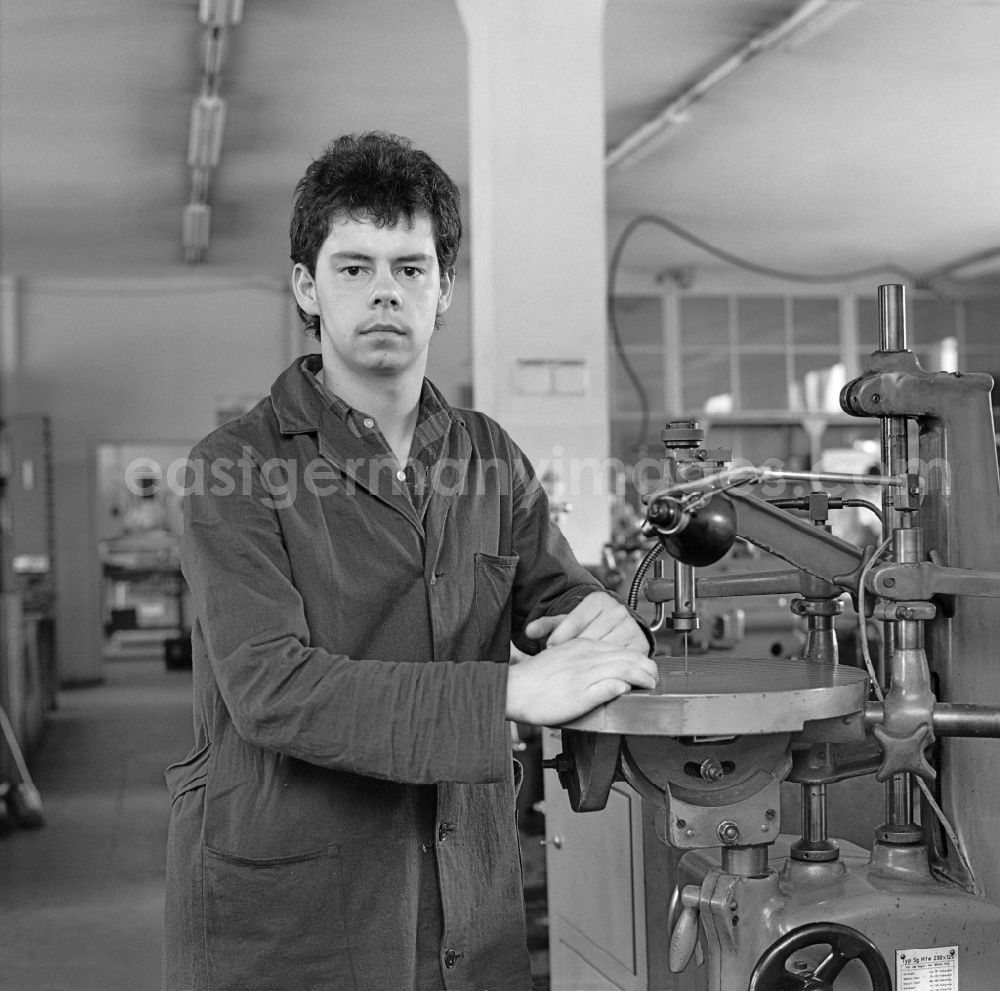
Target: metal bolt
728, 832
689, 833
770, 814
681, 823
889, 582
876, 398
711, 769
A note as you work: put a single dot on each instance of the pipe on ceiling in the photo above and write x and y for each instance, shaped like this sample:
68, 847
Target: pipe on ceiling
811, 16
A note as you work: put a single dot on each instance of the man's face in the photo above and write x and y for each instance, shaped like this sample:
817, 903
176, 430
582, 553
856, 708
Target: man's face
378, 292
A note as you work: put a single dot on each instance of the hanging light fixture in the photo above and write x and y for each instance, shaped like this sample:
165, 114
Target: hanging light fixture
208, 122
196, 231
208, 119
213, 53
220, 13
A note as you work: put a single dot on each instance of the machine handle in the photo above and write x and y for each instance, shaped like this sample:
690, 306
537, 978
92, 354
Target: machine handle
684, 938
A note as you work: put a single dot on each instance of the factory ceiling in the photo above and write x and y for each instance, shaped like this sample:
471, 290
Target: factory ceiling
867, 137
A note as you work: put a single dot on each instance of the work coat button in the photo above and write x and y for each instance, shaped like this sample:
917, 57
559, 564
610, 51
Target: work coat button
451, 958
369, 422
444, 829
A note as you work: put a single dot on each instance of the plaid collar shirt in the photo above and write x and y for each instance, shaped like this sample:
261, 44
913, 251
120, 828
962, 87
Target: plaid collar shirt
426, 448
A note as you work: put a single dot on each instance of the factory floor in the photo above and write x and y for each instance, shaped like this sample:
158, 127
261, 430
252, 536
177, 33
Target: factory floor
81, 897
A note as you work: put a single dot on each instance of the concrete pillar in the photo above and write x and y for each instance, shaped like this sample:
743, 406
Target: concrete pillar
537, 219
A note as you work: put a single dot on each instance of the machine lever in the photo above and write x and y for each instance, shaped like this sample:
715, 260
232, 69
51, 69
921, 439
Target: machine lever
684, 938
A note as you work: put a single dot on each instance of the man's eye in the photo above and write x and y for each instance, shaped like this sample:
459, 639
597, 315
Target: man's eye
353, 271
412, 272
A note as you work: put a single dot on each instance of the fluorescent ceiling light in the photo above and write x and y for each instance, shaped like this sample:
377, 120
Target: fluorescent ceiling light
195, 230
220, 12
208, 119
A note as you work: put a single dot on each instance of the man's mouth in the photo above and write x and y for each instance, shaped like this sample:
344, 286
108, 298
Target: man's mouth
383, 328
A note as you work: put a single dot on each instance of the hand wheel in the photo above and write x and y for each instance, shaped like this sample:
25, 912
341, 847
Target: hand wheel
846, 944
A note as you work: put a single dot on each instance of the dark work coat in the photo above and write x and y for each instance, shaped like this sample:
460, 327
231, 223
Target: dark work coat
349, 695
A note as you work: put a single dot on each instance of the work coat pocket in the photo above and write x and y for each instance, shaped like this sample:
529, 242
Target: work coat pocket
494, 583
275, 923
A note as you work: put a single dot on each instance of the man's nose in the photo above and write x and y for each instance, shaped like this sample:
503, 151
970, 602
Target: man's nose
385, 292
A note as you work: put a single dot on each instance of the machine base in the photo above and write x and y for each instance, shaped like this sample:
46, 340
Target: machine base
741, 917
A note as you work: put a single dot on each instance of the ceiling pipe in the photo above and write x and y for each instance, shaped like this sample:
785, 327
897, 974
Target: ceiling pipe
642, 141
974, 266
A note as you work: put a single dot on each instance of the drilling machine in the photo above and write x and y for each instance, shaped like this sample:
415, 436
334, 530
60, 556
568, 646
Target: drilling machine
758, 908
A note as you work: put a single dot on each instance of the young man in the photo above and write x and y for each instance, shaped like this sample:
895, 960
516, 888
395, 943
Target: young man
359, 568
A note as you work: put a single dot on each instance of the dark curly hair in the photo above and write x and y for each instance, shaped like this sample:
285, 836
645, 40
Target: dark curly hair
377, 177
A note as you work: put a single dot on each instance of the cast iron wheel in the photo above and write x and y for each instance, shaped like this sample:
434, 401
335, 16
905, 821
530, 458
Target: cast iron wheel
846, 944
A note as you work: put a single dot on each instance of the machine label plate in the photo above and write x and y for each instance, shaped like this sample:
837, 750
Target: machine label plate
933, 968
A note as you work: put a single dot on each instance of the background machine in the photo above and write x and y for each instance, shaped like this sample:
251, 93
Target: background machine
910, 900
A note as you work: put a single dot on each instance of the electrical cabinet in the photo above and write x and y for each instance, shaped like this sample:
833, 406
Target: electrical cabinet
610, 881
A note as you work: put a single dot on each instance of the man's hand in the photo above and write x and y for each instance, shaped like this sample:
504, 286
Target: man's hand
566, 681
598, 617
